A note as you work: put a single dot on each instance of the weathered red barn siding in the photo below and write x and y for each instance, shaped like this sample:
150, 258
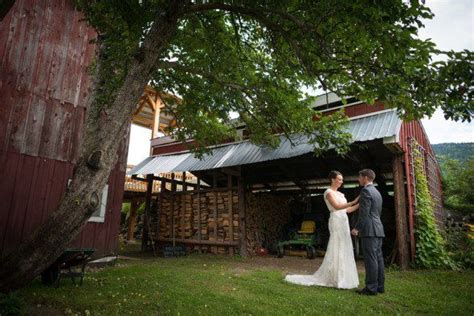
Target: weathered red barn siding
360, 109
170, 148
414, 130
44, 54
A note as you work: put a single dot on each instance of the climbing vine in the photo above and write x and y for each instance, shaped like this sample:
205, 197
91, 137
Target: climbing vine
430, 245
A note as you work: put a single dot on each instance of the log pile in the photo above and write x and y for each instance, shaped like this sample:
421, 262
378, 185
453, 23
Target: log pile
266, 214
203, 216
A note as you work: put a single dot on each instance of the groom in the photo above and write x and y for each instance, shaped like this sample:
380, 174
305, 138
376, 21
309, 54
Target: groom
369, 227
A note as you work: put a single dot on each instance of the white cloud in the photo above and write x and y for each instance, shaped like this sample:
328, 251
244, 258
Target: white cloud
440, 130
452, 26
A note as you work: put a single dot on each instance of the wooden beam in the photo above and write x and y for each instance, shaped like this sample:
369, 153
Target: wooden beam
400, 213
145, 232
201, 242
268, 186
199, 211
160, 210
173, 190
242, 217
141, 104
156, 121
163, 179
236, 171
230, 210
411, 201
136, 119
201, 190
291, 175
183, 183
132, 218
214, 184
150, 102
183, 205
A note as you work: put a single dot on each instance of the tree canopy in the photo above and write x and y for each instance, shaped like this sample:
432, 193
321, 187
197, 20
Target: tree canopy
251, 57
254, 57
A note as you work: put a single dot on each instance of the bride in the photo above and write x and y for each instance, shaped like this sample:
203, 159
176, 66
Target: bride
338, 268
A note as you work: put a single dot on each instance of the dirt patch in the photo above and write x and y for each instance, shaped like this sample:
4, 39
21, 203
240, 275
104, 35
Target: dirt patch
286, 264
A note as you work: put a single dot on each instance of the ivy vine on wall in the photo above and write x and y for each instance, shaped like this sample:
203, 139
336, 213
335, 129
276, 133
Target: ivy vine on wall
430, 245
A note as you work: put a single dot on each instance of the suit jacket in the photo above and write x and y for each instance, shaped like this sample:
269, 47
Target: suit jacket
370, 210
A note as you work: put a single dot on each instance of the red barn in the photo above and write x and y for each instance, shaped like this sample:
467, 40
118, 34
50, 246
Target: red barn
45, 51
241, 200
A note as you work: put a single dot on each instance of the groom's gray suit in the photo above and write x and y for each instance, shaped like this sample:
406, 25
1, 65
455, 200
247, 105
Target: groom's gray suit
371, 231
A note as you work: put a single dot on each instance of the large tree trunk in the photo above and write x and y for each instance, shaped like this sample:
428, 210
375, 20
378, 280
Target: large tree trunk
101, 139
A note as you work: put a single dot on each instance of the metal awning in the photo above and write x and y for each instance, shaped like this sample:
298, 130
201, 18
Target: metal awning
380, 125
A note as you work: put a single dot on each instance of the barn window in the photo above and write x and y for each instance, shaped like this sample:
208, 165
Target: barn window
99, 215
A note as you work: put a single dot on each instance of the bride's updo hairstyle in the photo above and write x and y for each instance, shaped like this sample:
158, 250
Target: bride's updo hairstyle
333, 175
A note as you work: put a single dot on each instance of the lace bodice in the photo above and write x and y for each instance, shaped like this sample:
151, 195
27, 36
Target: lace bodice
339, 196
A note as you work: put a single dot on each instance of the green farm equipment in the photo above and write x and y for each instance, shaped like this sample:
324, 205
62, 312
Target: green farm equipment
305, 238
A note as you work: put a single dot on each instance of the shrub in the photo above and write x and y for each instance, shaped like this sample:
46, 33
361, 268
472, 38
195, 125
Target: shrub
460, 244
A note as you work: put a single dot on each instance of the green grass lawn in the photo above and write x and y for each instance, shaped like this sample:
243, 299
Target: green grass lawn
213, 285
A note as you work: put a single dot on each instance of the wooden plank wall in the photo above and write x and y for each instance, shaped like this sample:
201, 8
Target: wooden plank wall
408, 130
44, 54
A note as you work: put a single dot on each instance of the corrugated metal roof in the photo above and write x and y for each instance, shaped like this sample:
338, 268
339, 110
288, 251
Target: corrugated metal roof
364, 128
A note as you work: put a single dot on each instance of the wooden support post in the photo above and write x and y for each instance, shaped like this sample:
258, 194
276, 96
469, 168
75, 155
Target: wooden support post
157, 105
199, 211
183, 206
230, 210
145, 232
132, 218
214, 184
411, 203
242, 228
173, 189
400, 213
160, 209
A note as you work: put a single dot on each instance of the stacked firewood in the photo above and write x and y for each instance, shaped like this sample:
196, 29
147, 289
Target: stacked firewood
206, 216
203, 216
266, 215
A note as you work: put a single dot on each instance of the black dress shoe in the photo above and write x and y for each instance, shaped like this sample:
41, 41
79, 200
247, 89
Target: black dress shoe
380, 291
366, 291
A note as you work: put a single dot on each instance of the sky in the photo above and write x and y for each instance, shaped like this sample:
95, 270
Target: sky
451, 28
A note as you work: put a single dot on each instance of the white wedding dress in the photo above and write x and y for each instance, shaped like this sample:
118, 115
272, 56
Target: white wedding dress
338, 268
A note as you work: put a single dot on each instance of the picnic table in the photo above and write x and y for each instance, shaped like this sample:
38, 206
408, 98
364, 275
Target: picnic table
71, 263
